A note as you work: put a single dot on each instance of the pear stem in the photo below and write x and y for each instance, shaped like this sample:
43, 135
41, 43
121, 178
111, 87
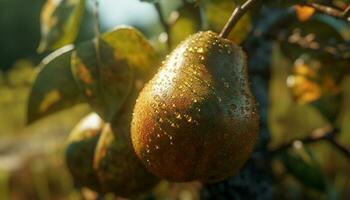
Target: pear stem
238, 12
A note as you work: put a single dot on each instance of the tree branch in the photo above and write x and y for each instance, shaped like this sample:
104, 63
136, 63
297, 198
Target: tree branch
322, 134
334, 12
96, 17
164, 23
236, 15
310, 42
346, 12
339, 146
315, 136
97, 30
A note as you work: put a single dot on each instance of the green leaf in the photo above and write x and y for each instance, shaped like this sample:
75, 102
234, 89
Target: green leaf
60, 20
186, 23
329, 106
216, 13
300, 162
106, 68
54, 88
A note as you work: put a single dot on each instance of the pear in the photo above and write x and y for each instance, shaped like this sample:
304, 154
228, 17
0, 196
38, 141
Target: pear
197, 119
80, 151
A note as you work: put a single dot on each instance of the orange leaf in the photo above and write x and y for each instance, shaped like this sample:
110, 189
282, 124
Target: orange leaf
304, 12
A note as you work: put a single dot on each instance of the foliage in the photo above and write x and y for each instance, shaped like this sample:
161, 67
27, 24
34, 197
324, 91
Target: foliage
309, 86
59, 23
51, 94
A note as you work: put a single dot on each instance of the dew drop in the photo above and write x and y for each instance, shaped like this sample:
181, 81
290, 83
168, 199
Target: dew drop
178, 116
157, 97
200, 50
189, 119
163, 105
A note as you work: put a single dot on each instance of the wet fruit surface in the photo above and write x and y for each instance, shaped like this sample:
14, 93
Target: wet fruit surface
197, 119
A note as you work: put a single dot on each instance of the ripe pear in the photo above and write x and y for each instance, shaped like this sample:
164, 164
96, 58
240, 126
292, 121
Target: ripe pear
118, 168
197, 119
80, 151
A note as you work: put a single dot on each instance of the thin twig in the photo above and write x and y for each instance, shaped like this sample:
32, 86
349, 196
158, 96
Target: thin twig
236, 15
334, 12
346, 12
339, 146
315, 136
310, 42
164, 23
97, 20
322, 134
97, 31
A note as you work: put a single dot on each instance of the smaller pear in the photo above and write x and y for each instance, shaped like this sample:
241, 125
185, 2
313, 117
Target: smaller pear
118, 168
80, 151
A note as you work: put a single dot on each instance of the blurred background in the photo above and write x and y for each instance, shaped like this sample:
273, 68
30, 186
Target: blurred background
31, 157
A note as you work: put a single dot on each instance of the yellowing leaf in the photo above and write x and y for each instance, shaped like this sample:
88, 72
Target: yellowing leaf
314, 82
303, 89
60, 20
54, 88
106, 69
304, 12
84, 74
309, 81
49, 99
